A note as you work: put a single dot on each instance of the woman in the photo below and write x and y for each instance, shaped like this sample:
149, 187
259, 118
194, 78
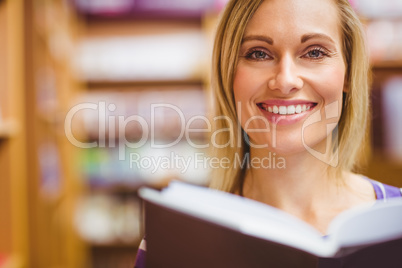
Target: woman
295, 74
290, 79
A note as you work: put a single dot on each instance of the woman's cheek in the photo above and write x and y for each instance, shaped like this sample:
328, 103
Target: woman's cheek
243, 91
330, 87
242, 81
330, 84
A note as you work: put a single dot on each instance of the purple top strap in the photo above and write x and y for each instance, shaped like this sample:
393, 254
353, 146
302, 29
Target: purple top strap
140, 259
384, 191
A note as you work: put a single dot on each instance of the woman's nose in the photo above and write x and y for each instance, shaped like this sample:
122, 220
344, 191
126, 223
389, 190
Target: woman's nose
285, 77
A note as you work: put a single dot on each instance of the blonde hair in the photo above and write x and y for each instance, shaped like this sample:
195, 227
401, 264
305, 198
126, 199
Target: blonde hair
354, 119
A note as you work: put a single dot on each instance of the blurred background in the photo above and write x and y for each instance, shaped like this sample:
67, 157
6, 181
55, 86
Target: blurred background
77, 80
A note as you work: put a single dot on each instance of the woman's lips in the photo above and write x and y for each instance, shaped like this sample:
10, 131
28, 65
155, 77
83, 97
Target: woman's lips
286, 112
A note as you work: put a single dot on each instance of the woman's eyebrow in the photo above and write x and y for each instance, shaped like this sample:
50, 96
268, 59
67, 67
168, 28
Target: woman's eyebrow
304, 38
309, 36
258, 37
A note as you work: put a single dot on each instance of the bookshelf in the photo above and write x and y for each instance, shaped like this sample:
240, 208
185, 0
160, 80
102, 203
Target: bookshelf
14, 243
131, 86
381, 165
50, 28
384, 40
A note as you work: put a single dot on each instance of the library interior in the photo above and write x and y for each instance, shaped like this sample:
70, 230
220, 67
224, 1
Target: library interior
94, 99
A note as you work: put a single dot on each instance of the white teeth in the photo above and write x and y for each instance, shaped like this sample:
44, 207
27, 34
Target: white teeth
291, 109
298, 109
282, 110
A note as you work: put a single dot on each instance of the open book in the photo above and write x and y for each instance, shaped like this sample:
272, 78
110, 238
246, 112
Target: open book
193, 226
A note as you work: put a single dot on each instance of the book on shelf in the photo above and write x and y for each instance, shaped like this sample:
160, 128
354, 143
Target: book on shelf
149, 9
392, 113
193, 226
141, 58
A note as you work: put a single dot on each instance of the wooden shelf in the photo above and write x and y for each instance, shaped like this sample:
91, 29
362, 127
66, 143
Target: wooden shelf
116, 245
129, 85
113, 256
8, 129
387, 65
382, 168
130, 27
115, 189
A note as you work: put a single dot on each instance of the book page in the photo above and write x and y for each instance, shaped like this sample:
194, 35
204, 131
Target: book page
368, 224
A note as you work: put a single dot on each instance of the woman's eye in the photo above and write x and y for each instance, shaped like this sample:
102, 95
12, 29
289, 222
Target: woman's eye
257, 55
316, 53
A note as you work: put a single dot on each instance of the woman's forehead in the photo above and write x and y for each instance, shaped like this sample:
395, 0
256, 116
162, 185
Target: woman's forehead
293, 18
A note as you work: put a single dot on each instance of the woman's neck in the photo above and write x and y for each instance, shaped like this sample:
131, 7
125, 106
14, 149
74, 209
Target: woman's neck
303, 187
300, 180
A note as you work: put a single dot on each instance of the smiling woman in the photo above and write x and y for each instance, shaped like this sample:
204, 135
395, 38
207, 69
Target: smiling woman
293, 75
291, 79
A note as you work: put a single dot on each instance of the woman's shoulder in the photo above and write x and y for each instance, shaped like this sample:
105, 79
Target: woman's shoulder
384, 191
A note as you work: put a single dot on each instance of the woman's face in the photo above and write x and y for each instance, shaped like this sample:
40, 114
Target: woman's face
290, 75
